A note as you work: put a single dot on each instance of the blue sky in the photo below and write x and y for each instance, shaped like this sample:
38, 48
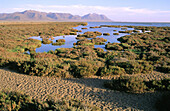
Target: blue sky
116, 10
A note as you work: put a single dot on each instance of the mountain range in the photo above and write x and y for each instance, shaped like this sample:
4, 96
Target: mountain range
32, 15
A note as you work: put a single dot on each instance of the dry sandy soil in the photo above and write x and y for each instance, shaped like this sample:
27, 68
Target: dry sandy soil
90, 90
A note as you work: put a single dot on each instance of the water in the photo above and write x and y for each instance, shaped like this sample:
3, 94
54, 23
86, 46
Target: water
130, 23
70, 39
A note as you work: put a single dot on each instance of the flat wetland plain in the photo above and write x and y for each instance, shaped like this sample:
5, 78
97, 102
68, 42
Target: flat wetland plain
132, 74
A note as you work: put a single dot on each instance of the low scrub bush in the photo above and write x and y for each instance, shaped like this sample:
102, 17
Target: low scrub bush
85, 68
110, 71
136, 85
137, 31
96, 27
14, 101
134, 67
46, 41
58, 43
84, 28
98, 33
133, 84
114, 46
106, 34
127, 31
115, 33
88, 35
73, 33
61, 40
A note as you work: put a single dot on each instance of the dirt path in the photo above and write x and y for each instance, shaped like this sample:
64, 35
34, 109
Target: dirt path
89, 90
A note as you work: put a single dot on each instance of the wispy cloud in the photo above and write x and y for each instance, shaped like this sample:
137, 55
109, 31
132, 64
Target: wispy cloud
114, 13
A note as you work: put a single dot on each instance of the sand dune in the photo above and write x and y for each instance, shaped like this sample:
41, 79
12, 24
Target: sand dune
90, 90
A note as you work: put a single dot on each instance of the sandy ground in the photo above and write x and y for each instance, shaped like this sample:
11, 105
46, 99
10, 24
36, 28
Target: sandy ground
90, 90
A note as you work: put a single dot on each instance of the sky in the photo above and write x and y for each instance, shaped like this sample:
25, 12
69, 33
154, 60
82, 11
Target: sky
116, 10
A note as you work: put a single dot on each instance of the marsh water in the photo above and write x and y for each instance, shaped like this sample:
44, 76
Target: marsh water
70, 39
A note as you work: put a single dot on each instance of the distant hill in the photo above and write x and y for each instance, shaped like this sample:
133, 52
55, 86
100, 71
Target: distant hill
32, 15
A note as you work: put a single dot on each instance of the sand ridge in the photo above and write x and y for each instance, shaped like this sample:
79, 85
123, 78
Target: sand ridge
90, 90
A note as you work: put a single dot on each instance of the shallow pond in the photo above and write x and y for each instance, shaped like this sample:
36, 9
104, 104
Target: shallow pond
70, 39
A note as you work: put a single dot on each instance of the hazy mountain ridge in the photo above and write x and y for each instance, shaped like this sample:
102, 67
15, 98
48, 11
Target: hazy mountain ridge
32, 15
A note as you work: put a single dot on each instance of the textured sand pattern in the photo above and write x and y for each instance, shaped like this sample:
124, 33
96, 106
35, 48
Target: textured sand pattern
90, 90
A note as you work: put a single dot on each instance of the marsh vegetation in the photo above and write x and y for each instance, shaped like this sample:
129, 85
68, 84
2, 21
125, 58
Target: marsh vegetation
137, 53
